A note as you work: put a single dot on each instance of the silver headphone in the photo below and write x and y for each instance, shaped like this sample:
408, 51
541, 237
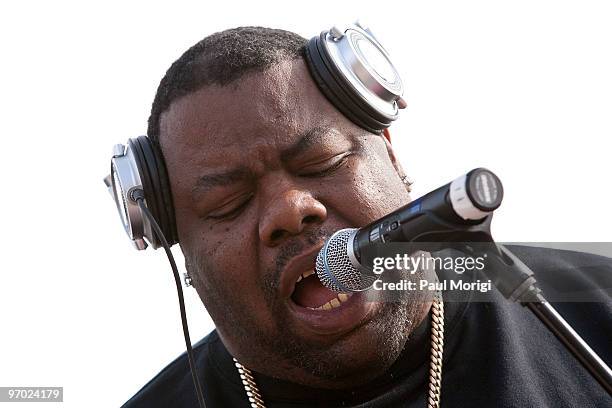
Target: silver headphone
350, 67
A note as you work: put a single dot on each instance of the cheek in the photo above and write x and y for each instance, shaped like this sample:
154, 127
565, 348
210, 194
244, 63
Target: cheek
225, 250
228, 273
217, 254
373, 190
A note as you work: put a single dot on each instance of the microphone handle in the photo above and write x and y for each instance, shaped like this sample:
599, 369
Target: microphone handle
464, 205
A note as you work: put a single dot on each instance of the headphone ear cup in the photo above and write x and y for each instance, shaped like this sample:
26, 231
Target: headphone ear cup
147, 186
164, 192
150, 163
338, 92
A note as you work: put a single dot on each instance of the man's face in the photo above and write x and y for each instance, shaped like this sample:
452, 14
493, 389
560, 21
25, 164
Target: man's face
262, 171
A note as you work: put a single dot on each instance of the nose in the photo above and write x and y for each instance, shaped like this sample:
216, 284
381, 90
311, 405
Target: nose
289, 213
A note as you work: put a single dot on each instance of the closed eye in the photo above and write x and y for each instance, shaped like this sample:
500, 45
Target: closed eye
328, 167
231, 210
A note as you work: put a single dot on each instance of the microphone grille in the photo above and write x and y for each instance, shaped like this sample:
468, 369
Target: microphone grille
334, 267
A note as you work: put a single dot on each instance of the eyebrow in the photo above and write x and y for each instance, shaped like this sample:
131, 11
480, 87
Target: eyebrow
209, 181
307, 139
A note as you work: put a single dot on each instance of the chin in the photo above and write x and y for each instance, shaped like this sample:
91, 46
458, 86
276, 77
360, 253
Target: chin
359, 356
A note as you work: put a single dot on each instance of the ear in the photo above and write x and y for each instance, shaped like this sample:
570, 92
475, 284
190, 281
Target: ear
398, 166
387, 135
391, 152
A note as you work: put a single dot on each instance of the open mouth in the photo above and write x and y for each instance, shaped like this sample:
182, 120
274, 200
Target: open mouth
310, 293
317, 309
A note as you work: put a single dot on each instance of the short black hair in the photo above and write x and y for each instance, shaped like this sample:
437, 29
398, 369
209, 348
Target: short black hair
219, 59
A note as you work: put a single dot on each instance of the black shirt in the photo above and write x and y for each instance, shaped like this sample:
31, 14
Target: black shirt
496, 354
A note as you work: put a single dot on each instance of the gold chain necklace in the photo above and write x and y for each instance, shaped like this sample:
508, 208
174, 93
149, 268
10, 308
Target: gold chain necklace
435, 365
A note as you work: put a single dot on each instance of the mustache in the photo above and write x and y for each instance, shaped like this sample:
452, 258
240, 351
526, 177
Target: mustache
289, 250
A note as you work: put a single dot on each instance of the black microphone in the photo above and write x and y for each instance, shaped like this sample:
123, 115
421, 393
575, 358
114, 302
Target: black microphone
462, 206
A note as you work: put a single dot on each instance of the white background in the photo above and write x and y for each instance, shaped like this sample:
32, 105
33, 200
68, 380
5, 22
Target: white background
521, 87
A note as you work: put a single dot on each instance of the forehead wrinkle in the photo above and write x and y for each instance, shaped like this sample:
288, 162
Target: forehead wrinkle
273, 103
251, 163
198, 136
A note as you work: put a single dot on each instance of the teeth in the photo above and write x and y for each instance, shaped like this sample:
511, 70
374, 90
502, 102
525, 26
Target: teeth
305, 275
335, 302
332, 304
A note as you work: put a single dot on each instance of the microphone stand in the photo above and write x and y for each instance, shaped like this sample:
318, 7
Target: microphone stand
510, 271
516, 282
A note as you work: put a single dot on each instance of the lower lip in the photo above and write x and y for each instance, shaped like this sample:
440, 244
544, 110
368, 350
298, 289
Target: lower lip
338, 320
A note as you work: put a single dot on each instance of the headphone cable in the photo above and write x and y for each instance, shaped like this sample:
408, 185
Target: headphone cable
138, 196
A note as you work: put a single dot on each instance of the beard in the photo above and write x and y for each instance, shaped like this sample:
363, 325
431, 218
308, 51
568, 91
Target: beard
344, 363
352, 359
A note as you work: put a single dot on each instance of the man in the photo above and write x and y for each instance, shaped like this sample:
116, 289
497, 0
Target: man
263, 168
